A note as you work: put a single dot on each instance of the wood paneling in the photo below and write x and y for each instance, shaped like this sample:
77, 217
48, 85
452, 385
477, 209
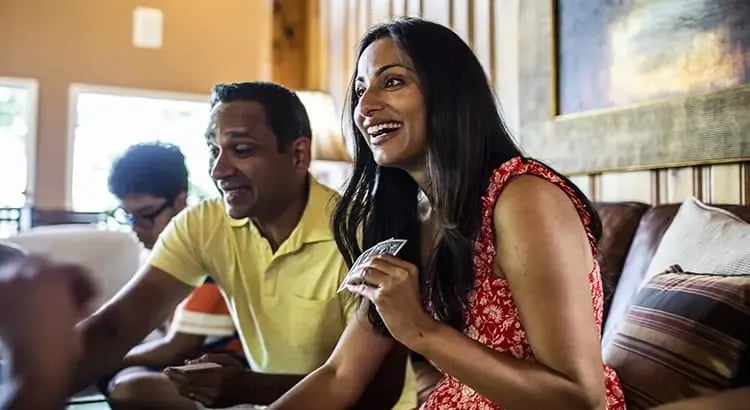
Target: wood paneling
460, 19
584, 183
745, 183
632, 186
438, 11
414, 7
290, 42
398, 8
380, 10
483, 34
724, 184
679, 184
491, 28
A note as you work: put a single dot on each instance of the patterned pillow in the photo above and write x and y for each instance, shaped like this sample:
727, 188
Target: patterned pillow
685, 335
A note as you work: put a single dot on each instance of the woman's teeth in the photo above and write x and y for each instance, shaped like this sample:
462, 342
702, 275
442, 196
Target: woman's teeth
381, 128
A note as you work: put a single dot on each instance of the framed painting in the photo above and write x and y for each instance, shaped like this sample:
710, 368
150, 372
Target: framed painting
632, 84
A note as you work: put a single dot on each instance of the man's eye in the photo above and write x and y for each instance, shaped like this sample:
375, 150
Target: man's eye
243, 149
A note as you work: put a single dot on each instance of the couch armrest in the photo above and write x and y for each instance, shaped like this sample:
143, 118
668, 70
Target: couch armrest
733, 399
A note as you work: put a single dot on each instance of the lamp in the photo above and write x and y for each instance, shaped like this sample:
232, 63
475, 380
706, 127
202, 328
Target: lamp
328, 143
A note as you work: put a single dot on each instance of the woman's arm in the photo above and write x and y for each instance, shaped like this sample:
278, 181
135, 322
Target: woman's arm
543, 252
365, 371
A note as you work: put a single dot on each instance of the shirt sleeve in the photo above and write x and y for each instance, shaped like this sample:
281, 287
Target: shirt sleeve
204, 312
178, 249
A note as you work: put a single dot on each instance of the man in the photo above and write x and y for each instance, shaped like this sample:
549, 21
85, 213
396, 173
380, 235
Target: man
268, 245
151, 181
39, 304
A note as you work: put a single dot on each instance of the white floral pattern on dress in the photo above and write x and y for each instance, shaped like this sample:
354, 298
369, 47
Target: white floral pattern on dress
492, 317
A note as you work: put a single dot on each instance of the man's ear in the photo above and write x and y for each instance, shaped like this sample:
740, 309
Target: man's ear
301, 154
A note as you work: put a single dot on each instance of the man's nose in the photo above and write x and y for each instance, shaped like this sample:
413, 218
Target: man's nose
222, 167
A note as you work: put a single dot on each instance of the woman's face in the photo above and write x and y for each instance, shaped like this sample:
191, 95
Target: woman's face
390, 112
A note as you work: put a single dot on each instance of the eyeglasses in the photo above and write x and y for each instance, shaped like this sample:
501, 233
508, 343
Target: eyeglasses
145, 221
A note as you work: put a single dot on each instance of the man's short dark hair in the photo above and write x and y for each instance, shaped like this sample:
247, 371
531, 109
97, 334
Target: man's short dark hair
156, 169
286, 114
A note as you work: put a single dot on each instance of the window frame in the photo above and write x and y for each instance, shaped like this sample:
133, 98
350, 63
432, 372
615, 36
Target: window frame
32, 118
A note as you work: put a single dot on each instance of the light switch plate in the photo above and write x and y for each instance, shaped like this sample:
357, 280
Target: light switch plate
148, 23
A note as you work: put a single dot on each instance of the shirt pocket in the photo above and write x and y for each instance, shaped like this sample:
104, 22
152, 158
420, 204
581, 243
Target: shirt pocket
314, 326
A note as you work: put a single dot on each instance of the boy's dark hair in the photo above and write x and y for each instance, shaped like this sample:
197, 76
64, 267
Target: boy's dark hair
155, 168
285, 112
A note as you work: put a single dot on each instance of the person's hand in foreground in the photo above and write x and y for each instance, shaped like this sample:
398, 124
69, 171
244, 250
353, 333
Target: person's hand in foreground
40, 302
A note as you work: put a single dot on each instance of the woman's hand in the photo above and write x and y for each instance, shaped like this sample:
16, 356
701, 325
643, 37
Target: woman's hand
392, 284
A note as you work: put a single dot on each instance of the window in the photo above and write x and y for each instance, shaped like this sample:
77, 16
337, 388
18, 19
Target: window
108, 120
18, 138
18, 108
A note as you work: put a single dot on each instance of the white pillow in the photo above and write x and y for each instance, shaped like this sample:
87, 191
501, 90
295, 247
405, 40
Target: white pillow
701, 239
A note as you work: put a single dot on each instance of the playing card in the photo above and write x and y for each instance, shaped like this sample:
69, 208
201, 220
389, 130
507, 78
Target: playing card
195, 367
389, 246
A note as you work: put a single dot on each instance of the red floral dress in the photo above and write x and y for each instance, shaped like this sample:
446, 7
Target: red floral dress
492, 317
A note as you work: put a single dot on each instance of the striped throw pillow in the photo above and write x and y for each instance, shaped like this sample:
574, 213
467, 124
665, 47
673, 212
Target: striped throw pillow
685, 335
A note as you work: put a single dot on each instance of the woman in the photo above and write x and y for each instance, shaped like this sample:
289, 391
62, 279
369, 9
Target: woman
497, 285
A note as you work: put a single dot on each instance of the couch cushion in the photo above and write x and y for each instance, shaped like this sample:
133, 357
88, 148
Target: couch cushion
690, 329
110, 257
9, 251
619, 223
697, 229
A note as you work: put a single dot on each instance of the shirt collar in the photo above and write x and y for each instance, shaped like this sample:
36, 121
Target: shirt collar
315, 224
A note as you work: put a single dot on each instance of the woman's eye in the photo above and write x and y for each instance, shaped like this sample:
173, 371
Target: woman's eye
393, 82
214, 151
359, 91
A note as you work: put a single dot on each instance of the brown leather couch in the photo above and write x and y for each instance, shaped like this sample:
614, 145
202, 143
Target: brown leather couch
631, 233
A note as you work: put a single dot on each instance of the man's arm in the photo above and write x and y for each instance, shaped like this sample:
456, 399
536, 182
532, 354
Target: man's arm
230, 384
170, 350
138, 308
365, 371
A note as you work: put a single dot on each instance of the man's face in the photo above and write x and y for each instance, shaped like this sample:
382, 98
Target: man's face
149, 214
253, 174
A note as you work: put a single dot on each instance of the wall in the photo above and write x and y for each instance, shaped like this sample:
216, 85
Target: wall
491, 28
89, 41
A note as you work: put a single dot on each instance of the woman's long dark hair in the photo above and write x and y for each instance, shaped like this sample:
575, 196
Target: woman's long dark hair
466, 141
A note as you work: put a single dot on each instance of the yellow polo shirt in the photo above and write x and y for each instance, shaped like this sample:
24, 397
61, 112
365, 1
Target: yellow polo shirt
283, 303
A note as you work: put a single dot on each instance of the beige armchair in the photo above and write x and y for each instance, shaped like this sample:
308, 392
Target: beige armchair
111, 257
